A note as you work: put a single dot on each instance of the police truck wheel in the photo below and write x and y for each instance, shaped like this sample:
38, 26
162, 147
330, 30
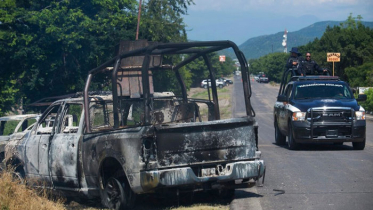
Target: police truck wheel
220, 86
279, 137
205, 86
358, 145
291, 142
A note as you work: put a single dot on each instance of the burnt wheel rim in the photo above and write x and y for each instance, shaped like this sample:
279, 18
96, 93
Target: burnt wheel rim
114, 193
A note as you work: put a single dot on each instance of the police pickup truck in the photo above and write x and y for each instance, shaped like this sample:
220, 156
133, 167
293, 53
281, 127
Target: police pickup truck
318, 109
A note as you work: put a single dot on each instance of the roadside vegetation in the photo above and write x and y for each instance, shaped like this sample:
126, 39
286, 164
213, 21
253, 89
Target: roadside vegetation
17, 196
225, 103
368, 104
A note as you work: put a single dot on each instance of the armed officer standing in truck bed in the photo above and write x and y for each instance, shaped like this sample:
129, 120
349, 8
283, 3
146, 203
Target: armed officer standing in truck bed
310, 67
295, 61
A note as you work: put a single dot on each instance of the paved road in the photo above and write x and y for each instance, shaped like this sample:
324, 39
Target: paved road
318, 176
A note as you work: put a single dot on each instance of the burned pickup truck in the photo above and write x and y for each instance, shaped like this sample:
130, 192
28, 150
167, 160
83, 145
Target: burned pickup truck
137, 138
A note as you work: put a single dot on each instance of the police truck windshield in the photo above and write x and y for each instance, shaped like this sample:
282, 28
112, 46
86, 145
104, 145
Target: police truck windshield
322, 90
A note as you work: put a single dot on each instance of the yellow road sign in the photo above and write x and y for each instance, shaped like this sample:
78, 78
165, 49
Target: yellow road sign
333, 57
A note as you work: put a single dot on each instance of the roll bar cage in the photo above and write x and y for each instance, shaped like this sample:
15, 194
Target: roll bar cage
193, 50
294, 77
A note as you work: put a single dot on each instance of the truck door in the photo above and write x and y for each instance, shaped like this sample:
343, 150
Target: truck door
283, 113
37, 146
63, 155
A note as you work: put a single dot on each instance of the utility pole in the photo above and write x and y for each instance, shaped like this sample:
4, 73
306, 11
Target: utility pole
138, 21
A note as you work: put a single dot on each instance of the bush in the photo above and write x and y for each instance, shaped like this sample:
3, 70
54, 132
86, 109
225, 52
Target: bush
368, 104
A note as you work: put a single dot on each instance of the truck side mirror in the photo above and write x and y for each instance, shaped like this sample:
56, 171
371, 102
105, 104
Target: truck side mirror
361, 97
282, 98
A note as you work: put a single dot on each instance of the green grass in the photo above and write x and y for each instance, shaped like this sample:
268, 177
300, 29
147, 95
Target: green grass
225, 112
204, 94
223, 94
9, 127
273, 83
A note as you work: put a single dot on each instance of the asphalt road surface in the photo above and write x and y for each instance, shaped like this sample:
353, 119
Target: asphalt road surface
317, 176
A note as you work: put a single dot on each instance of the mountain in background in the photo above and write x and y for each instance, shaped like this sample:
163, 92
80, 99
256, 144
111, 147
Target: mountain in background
262, 45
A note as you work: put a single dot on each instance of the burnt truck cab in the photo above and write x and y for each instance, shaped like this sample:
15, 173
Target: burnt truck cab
137, 137
319, 109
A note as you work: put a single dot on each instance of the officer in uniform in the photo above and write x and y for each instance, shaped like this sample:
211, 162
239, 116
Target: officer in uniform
310, 67
295, 61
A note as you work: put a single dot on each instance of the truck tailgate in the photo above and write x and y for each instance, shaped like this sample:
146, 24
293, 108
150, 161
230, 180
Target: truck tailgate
200, 143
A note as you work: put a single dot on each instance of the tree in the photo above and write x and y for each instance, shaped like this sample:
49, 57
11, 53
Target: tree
7, 94
273, 65
360, 76
54, 44
352, 39
368, 104
162, 21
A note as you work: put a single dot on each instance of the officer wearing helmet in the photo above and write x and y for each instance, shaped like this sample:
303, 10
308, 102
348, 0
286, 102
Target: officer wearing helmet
295, 61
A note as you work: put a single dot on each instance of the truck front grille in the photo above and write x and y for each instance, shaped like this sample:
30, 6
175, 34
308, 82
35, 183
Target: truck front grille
330, 115
331, 122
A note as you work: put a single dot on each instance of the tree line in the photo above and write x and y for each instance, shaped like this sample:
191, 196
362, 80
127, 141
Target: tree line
352, 39
48, 47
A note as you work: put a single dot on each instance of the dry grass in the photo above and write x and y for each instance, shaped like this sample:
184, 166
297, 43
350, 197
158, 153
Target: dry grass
274, 83
17, 196
225, 103
14, 196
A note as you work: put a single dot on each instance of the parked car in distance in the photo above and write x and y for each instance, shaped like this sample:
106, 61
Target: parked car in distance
226, 81
263, 78
219, 83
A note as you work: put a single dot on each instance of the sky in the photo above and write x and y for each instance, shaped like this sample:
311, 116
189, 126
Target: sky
240, 20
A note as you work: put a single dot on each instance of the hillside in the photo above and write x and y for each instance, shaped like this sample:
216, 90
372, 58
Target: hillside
262, 45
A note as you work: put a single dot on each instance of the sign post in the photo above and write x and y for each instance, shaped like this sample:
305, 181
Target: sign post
333, 57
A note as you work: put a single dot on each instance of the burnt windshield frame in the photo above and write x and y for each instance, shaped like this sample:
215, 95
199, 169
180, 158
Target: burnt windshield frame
193, 49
